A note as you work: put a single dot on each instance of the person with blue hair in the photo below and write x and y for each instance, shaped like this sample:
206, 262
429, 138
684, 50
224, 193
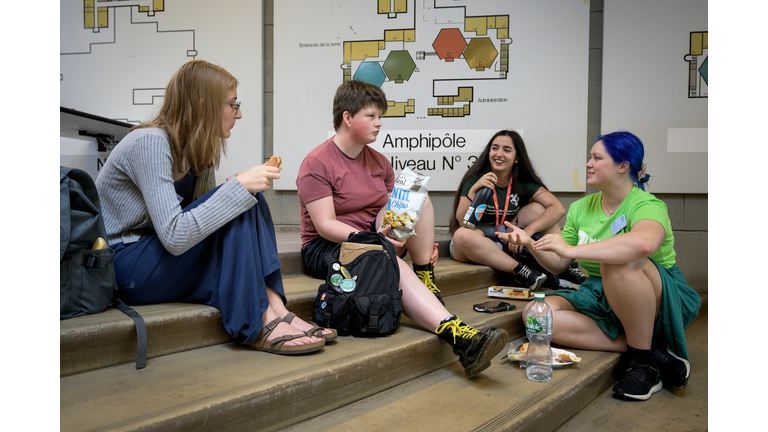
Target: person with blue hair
635, 300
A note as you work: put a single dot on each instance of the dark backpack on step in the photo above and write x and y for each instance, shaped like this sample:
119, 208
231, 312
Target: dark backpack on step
87, 283
374, 306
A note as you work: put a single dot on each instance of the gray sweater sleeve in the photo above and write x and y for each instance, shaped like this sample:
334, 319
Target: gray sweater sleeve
138, 196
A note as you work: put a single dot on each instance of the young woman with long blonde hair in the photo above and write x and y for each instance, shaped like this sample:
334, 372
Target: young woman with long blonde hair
178, 238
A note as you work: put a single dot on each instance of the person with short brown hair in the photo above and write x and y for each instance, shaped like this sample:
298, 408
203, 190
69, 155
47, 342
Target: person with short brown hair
344, 186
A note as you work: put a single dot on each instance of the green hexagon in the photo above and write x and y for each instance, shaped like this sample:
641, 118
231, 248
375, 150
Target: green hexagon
399, 66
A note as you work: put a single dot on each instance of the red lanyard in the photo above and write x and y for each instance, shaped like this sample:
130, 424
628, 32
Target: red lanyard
506, 204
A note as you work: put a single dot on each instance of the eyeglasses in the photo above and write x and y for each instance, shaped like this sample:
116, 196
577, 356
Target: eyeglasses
235, 106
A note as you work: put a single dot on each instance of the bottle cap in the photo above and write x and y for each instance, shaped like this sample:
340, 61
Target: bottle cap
538, 295
99, 244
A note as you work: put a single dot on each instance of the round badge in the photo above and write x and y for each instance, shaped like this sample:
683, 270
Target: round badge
348, 285
336, 279
336, 266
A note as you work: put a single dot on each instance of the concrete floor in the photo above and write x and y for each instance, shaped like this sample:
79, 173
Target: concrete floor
669, 410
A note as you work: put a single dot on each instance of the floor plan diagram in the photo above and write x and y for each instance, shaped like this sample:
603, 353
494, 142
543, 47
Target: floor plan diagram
453, 70
428, 37
697, 59
100, 32
117, 56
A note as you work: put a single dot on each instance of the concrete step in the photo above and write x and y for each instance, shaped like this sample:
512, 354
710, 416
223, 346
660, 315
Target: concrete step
503, 399
226, 386
198, 379
95, 341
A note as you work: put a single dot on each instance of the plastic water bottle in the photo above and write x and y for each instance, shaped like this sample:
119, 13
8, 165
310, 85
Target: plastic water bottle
477, 208
538, 328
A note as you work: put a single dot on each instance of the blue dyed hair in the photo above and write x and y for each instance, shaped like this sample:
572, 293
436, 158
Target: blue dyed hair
625, 146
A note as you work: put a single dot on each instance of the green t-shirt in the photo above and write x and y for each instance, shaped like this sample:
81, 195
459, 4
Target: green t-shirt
489, 217
587, 223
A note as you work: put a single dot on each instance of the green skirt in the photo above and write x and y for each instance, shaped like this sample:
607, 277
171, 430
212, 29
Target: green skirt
679, 306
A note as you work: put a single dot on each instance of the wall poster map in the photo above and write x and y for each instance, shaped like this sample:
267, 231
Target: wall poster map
656, 85
697, 57
116, 57
454, 72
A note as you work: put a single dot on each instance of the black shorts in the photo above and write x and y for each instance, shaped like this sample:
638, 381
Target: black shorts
313, 254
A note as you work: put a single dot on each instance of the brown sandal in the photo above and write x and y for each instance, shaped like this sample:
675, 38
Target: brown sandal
276, 346
316, 328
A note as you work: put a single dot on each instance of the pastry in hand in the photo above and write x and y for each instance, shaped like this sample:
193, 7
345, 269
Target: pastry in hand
275, 161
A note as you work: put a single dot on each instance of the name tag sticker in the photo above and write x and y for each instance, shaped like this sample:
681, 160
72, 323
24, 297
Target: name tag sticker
619, 224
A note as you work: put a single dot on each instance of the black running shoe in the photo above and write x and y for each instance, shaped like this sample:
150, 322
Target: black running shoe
674, 370
475, 349
640, 381
573, 274
532, 278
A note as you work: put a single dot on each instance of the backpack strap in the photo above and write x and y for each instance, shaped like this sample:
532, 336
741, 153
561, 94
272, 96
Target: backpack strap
84, 180
373, 318
141, 330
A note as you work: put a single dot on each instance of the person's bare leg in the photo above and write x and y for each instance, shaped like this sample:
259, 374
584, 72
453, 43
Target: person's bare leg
472, 246
634, 292
573, 329
419, 304
421, 245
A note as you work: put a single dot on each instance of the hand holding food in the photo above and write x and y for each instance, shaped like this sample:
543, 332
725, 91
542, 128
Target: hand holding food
275, 161
259, 178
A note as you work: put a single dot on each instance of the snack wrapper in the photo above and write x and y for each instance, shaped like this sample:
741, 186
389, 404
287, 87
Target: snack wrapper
405, 204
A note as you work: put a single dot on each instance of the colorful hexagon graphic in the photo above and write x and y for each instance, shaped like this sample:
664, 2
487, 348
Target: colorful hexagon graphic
399, 66
370, 72
703, 70
449, 44
480, 53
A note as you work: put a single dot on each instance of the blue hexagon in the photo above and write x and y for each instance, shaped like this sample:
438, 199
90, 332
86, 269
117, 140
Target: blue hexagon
370, 72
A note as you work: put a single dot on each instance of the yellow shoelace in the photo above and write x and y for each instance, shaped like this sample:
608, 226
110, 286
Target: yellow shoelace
426, 278
457, 329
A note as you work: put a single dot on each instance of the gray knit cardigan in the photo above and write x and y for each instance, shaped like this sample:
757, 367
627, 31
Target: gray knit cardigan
138, 196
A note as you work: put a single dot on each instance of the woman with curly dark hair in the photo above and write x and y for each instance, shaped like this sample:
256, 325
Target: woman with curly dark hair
518, 196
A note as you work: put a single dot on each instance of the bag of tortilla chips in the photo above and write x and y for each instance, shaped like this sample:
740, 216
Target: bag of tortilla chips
405, 204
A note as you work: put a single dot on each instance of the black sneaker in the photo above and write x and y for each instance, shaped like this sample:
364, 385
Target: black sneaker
426, 275
475, 349
674, 370
573, 274
532, 278
640, 381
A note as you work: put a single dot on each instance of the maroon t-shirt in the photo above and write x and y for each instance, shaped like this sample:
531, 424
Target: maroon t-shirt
360, 187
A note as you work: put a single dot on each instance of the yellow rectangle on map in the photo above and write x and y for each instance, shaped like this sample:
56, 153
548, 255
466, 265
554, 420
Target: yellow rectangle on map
384, 6
476, 24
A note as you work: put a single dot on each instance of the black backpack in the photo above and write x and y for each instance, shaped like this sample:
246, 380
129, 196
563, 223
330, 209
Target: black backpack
373, 306
87, 283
